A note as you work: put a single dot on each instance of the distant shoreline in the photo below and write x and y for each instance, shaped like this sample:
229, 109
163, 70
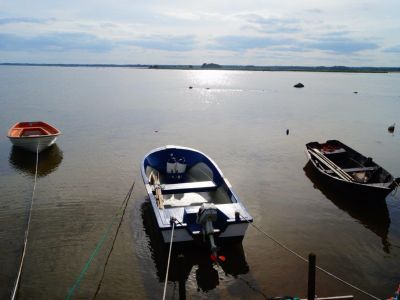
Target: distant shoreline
213, 66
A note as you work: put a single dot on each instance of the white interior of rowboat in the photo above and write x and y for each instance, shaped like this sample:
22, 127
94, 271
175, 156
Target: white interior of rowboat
198, 185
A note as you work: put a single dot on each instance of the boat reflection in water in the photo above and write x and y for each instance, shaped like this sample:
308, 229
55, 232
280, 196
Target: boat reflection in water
25, 161
185, 256
374, 215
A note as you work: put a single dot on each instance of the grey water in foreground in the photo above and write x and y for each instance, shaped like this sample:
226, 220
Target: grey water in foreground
111, 117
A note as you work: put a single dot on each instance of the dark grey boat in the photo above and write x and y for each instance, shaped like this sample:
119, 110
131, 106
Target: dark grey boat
349, 171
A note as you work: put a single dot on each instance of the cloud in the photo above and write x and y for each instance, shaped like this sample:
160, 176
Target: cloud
6, 21
271, 24
290, 48
155, 31
167, 42
394, 49
314, 11
72, 41
59, 42
341, 42
239, 43
259, 19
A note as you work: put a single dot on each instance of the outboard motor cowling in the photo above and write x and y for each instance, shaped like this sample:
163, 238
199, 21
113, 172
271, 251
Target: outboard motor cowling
205, 217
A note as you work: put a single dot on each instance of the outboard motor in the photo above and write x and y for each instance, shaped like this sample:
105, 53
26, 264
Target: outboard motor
205, 217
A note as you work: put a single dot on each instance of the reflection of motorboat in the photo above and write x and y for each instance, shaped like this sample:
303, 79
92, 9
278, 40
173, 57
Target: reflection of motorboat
25, 161
374, 215
186, 255
33, 136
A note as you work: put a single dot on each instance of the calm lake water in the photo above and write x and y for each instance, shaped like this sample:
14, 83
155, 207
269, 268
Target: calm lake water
111, 117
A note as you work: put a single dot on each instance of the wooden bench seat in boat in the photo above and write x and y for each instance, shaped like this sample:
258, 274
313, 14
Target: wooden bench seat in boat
199, 186
34, 131
336, 151
351, 170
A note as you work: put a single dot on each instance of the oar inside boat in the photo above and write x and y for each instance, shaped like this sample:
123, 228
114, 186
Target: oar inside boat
331, 165
154, 179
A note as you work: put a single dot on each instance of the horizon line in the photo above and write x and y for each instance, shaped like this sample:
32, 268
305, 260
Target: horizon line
213, 66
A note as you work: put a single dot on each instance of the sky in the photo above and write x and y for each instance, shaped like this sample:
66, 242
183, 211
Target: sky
229, 32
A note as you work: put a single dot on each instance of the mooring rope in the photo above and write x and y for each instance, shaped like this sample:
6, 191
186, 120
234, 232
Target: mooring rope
99, 245
306, 260
169, 257
127, 197
17, 280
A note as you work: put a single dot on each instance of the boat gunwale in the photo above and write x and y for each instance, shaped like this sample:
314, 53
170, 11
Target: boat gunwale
40, 125
164, 148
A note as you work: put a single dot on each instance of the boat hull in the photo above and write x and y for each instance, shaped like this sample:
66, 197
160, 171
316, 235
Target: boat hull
34, 144
232, 233
357, 192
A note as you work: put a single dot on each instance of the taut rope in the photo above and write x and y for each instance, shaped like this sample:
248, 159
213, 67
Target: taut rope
17, 280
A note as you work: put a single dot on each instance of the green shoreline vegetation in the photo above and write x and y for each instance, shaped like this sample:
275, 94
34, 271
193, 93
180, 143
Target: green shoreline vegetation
213, 66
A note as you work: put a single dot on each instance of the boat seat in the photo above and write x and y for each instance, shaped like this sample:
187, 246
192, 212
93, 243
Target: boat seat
350, 170
32, 131
335, 151
199, 186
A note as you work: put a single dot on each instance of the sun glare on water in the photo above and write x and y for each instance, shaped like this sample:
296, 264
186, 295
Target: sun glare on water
216, 79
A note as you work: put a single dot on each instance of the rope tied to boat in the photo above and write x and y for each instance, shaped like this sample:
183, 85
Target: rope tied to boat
100, 244
113, 242
172, 221
17, 280
306, 260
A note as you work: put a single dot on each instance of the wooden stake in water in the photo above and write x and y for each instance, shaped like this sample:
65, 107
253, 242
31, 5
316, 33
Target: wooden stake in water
311, 276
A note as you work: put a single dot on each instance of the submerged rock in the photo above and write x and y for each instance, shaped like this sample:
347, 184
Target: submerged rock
299, 85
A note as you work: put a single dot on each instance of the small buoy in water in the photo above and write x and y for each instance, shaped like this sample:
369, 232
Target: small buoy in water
190, 87
155, 131
391, 128
355, 92
287, 131
299, 85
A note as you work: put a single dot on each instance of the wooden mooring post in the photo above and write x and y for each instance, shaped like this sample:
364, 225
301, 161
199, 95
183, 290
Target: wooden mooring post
312, 263
311, 276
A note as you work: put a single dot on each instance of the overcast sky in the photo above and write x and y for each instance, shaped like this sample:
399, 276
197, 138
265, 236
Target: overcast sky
256, 32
